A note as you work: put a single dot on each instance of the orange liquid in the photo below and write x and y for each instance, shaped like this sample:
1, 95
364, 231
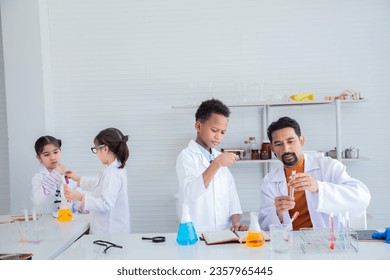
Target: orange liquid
64, 215
255, 239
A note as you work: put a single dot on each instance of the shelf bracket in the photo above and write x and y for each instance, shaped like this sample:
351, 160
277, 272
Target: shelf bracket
338, 129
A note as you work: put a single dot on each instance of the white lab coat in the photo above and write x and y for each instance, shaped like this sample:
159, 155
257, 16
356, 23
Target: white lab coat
107, 201
210, 208
45, 202
337, 193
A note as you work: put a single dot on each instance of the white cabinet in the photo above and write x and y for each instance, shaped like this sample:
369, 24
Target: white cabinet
266, 106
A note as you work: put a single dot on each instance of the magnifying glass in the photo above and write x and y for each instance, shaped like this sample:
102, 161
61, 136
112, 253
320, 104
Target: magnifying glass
156, 239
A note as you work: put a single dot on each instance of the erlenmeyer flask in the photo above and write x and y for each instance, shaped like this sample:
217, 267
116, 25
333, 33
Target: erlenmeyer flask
186, 235
64, 213
255, 236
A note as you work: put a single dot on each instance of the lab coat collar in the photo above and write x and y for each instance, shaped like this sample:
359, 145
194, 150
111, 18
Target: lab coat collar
44, 170
113, 164
310, 164
193, 146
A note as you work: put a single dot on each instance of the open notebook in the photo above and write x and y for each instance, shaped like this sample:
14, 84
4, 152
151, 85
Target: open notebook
227, 236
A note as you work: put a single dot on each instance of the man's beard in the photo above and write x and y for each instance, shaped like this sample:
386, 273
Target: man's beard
288, 160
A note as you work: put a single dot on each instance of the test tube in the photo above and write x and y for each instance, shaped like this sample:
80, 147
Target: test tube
25, 215
347, 230
34, 215
331, 231
341, 228
292, 178
26, 225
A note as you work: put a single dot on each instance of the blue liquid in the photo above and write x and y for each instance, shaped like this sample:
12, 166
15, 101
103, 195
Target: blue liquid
186, 234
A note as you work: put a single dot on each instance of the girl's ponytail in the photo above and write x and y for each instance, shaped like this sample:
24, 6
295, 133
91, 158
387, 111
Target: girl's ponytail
116, 142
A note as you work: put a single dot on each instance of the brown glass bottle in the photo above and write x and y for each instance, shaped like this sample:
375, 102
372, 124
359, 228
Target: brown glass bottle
266, 146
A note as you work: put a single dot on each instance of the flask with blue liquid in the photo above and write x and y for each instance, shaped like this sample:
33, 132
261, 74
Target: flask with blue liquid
186, 235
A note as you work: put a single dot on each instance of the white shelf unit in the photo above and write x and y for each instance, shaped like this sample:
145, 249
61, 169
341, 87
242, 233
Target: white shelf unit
267, 105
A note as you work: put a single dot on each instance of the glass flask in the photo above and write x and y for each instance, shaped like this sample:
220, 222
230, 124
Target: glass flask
64, 213
186, 235
255, 236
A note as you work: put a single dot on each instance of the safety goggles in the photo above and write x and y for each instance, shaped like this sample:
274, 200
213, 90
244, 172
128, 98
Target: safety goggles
107, 245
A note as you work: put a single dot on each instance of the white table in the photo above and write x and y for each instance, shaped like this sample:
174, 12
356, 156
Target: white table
54, 237
137, 249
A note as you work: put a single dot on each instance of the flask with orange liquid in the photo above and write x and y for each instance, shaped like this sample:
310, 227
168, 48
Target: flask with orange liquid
255, 236
64, 213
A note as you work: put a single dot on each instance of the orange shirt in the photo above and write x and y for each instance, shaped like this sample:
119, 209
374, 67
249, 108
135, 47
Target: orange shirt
303, 220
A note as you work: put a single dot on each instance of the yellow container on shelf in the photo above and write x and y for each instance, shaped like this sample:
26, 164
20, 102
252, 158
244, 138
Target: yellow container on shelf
299, 97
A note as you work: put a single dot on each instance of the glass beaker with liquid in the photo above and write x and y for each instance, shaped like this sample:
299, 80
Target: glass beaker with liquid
255, 236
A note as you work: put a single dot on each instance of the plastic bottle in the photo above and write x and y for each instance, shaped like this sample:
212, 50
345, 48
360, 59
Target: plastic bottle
255, 236
64, 213
254, 148
186, 235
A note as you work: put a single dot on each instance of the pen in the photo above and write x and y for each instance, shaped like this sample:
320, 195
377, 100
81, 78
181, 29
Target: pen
331, 231
239, 238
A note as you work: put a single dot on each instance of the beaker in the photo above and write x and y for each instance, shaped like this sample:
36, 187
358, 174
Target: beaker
255, 236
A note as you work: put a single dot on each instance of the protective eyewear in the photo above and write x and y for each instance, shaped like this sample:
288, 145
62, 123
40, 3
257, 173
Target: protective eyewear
94, 149
156, 239
107, 245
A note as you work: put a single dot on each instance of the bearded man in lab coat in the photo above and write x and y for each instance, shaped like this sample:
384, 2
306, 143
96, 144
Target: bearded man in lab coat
320, 185
205, 182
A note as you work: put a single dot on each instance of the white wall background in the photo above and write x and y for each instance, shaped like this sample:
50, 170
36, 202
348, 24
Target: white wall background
4, 178
125, 63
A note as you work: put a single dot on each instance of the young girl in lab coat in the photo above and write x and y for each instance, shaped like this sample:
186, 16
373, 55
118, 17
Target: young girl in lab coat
106, 197
46, 183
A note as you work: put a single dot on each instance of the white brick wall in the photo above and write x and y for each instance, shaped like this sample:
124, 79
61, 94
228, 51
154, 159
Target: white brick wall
125, 63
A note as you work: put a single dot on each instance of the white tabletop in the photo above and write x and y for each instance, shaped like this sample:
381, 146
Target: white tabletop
54, 237
137, 249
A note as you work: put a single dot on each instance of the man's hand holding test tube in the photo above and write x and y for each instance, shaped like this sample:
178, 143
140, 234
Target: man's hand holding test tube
283, 202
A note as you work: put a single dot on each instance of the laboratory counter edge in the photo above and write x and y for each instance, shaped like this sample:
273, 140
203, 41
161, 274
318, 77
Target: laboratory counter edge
135, 248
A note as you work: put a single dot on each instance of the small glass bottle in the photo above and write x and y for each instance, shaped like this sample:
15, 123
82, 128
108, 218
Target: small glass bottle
255, 236
254, 148
247, 150
266, 146
186, 235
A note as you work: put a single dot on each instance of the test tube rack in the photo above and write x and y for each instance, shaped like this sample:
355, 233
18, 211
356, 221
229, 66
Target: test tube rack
318, 240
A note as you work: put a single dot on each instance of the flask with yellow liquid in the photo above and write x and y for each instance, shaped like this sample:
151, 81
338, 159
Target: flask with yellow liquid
64, 213
255, 236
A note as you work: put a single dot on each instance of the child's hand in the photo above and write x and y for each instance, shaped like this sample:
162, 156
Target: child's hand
72, 175
226, 159
60, 168
72, 194
238, 227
